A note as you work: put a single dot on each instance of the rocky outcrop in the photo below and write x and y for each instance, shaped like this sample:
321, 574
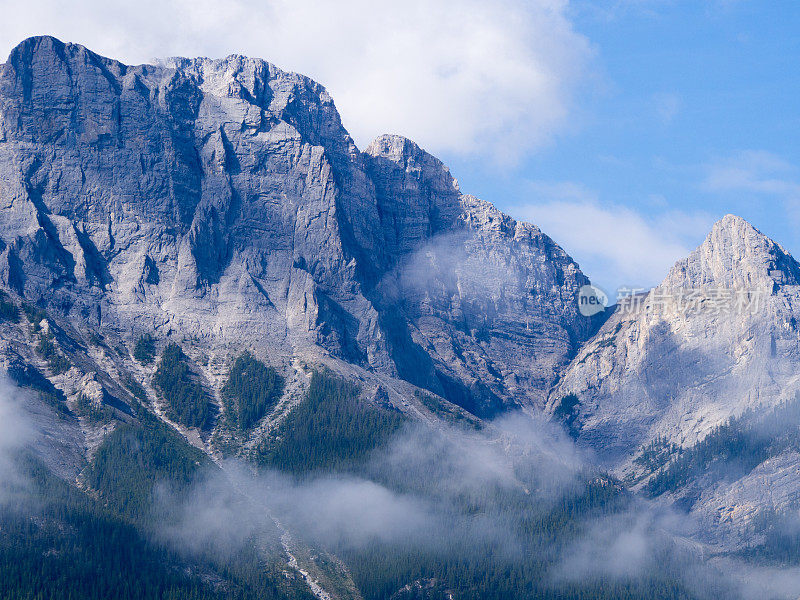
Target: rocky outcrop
718, 336
224, 200
717, 339
477, 307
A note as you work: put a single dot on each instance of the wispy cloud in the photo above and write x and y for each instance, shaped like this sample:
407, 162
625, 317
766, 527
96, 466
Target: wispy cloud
459, 495
15, 433
757, 177
489, 79
755, 172
409, 492
667, 106
615, 245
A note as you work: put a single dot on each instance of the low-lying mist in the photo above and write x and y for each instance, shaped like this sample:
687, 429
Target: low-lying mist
16, 432
515, 505
517, 495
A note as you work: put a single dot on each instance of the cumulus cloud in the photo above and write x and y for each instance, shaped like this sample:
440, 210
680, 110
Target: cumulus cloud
471, 77
616, 246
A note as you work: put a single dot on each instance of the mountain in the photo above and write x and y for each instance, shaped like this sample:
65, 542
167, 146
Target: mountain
243, 358
224, 199
199, 266
716, 340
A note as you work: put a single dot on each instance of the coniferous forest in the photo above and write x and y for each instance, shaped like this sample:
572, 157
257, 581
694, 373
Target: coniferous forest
104, 540
187, 401
258, 342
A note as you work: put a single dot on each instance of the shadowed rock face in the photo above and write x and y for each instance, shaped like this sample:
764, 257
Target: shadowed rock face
223, 199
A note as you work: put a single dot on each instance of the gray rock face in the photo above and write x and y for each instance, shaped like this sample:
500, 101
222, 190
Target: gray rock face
224, 200
476, 305
725, 510
717, 336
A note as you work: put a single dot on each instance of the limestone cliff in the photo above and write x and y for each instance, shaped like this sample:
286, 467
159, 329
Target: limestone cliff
224, 199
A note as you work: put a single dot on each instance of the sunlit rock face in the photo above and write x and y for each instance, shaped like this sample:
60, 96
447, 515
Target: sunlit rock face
717, 337
223, 199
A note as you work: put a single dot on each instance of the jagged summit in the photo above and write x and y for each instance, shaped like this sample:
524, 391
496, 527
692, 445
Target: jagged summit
401, 150
735, 254
717, 336
23, 51
47, 44
733, 233
716, 339
416, 195
730, 221
224, 199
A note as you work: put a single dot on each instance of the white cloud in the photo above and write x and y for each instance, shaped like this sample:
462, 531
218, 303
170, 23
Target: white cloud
517, 452
616, 246
15, 433
667, 106
757, 175
756, 172
486, 78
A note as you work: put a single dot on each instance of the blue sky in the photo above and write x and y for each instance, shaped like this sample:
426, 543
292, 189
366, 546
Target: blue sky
694, 112
623, 128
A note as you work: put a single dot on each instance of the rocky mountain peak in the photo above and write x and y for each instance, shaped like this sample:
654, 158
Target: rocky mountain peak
417, 196
716, 337
25, 52
407, 154
735, 238
735, 254
716, 340
223, 198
